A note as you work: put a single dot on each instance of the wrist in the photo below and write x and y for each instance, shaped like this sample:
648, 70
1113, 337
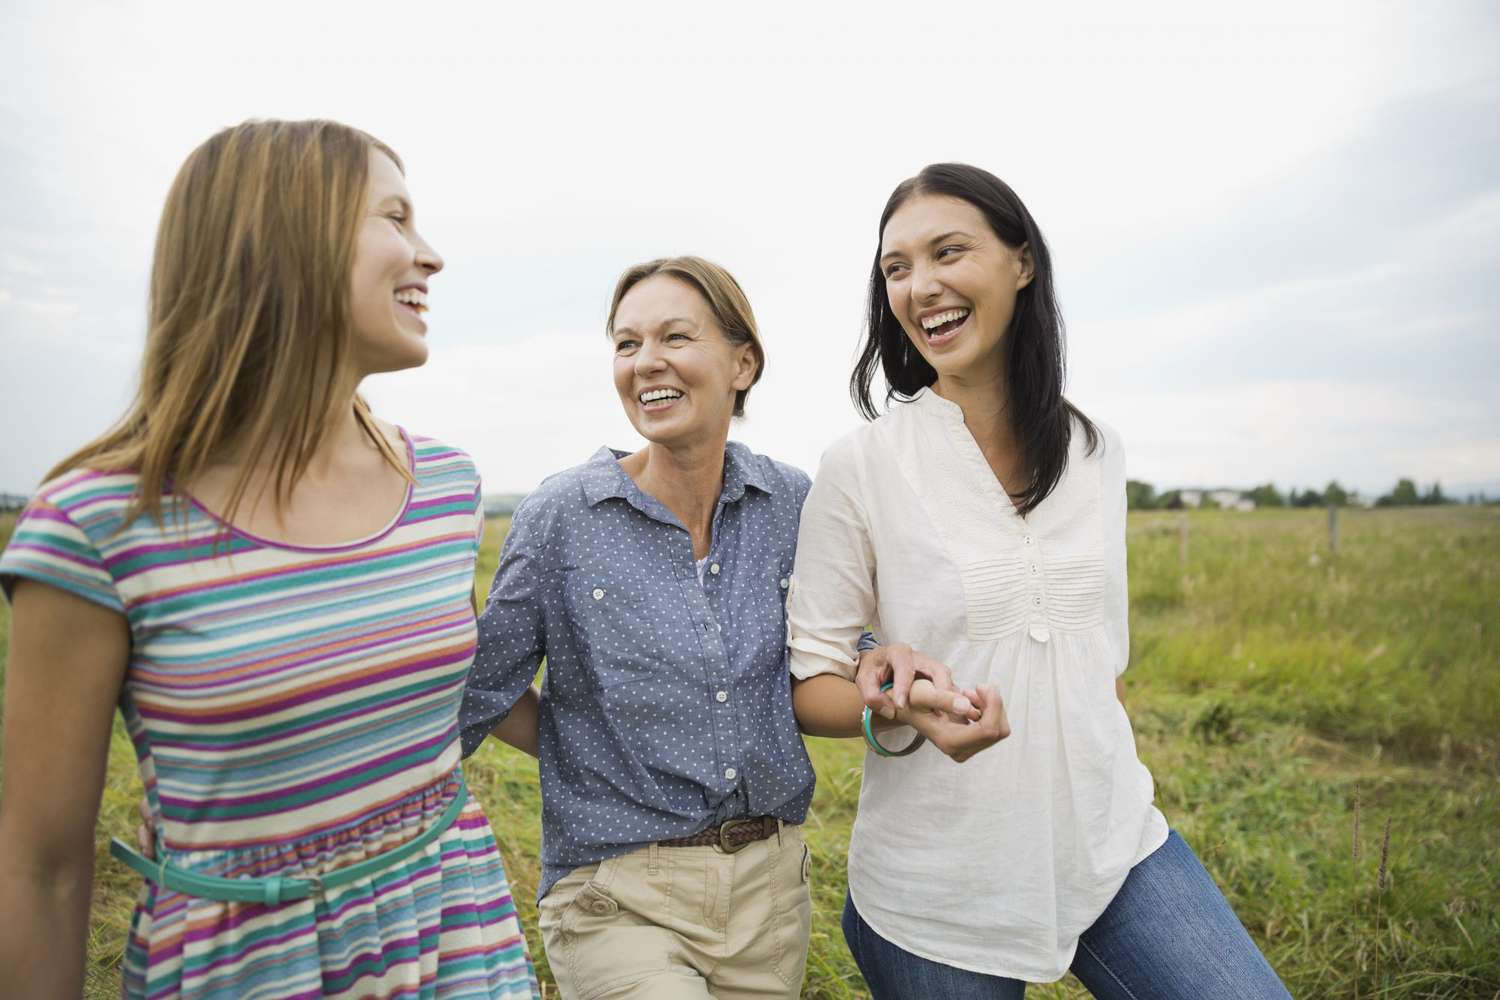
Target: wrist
870, 723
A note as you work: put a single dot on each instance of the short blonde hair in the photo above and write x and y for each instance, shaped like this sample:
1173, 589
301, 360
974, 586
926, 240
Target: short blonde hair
725, 298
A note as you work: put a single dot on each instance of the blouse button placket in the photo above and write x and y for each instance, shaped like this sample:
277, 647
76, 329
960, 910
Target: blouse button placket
1038, 629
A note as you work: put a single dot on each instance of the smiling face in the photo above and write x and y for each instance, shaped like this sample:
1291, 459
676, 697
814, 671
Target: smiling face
675, 370
952, 284
388, 284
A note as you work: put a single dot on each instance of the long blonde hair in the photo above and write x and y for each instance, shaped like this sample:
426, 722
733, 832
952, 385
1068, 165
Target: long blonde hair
248, 337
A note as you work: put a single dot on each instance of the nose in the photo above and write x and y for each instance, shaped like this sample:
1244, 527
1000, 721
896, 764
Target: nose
925, 285
649, 357
428, 259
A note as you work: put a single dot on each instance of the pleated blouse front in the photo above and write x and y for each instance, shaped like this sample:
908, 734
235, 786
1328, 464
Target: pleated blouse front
996, 865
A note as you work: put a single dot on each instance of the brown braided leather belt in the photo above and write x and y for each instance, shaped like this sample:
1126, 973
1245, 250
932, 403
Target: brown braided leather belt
729, 836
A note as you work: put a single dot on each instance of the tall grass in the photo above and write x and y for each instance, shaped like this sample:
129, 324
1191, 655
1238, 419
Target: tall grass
1277, 693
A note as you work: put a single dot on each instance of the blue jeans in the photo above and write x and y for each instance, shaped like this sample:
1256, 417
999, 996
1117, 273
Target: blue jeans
1168, 934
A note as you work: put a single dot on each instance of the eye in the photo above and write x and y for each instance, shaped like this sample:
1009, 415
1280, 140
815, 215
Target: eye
678, 336
894, 270
624, 345
949, 251
397, 218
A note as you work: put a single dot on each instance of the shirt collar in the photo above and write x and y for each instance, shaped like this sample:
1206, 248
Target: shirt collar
603, 478
930, 402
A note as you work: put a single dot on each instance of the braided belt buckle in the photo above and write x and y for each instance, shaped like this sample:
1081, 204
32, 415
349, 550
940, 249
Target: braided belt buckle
729, 826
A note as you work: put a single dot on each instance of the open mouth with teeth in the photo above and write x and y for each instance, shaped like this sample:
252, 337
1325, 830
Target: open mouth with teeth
941, 327
659, 399
412, 299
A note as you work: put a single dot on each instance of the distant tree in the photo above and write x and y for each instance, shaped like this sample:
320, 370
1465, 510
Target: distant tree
1170, 500
1139, 495
1266, 495
1335, 495
1207, 502
1404, 495
1435, 496
1306, 498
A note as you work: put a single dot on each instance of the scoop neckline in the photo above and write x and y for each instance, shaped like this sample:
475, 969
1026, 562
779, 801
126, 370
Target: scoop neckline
391, 525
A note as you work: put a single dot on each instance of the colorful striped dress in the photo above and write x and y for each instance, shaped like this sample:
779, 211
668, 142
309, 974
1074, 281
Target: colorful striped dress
294, 710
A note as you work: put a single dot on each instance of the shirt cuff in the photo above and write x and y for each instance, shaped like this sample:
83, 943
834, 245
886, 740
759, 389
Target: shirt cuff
809, 658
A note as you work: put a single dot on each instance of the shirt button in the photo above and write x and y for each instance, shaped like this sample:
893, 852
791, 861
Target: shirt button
730, 773
1033, 568
1037, 600
1027, 539
721, 697
598, 594
714, 569
1040, 633
783, 583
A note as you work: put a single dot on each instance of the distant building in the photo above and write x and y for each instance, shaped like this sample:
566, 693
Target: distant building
12, 501
1223, 497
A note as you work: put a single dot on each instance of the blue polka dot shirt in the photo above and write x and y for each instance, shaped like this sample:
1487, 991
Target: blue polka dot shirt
666, 703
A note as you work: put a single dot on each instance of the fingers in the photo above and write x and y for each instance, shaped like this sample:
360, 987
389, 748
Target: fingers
143, 837
903, 661
953, 703
960, 741
935, 671
870, 674
992, 716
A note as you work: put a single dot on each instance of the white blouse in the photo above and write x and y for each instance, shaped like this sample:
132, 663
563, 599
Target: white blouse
996, 865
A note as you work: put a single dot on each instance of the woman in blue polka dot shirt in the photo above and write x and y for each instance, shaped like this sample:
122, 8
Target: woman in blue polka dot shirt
674, 779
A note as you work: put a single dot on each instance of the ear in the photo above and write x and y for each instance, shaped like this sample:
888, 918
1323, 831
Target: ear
745, 366
1025, 266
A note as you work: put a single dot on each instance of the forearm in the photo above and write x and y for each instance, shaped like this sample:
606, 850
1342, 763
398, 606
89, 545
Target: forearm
519, 727
830, 705
42, 952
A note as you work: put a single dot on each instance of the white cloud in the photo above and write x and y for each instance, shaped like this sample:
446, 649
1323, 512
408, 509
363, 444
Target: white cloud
1167, 154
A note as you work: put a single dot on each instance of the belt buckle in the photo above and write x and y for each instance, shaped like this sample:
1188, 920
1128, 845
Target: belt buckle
314, 886
724, 831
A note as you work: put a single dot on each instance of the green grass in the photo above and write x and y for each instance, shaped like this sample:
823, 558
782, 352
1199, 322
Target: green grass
1272, 687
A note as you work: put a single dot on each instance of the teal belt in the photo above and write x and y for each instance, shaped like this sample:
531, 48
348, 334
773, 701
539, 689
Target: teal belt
276, 889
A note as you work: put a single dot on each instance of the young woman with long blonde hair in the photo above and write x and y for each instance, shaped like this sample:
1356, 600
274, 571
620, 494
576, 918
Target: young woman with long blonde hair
275, 588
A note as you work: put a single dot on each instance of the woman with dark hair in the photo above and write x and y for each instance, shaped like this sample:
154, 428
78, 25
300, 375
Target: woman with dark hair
983, 520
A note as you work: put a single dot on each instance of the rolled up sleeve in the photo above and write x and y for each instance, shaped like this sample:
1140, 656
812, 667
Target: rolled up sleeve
831, 597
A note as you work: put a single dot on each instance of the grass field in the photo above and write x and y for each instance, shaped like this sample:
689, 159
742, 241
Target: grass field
1283, 700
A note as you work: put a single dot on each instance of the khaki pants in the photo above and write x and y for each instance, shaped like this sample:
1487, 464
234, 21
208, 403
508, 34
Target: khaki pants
683, 923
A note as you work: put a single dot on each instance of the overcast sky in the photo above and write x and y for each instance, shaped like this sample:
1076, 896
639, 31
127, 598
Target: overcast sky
1276, 235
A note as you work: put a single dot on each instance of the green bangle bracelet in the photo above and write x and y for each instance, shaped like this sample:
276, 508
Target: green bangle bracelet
874, 744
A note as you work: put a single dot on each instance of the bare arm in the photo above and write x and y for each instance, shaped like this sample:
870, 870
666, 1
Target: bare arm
519, 727
829, 705
67, 662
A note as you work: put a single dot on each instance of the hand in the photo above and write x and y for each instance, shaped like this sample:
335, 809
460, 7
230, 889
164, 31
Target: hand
902, 665
959, 740
144, 840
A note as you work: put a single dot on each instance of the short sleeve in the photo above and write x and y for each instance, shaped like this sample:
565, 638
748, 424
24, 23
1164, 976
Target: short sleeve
832, 594
478, 513
47, 546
